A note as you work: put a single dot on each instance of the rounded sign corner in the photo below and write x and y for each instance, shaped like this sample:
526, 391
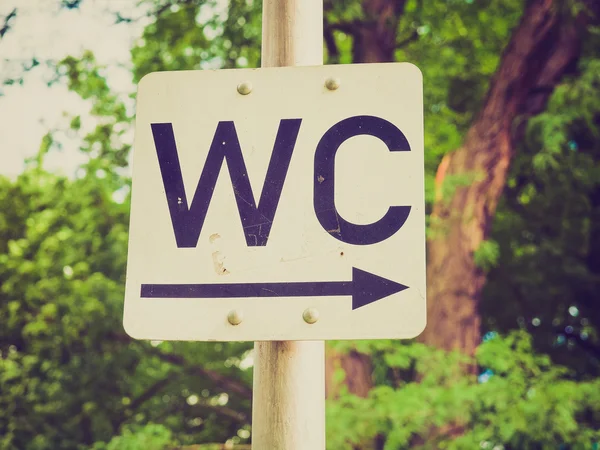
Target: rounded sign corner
413, 69
420, 328
129, 326
147, 79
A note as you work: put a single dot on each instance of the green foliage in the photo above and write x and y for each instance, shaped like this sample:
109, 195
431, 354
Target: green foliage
69, 376
454, 181
522, 401
149, 437
71, 379
575, 104
547, 276
486, 256
458, 49
198, 35
52, 291
105, 143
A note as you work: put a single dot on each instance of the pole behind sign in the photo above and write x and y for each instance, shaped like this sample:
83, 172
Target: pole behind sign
288, 411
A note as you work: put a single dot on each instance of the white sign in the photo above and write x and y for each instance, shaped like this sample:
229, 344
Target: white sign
288, 201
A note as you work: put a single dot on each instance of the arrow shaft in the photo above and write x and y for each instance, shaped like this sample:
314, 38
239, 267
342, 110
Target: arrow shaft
231, 290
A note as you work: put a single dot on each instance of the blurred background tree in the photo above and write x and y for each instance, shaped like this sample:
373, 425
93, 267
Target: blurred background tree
511, 355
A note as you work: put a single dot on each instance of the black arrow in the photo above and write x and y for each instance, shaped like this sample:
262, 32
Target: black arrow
364, 288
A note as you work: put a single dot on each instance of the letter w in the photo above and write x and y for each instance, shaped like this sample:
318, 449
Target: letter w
256, 220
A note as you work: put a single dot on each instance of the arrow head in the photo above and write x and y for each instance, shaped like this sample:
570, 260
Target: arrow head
368, 288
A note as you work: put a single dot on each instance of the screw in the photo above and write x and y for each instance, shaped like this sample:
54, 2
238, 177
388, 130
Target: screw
244, 88
235, 317
332, 83
310, 315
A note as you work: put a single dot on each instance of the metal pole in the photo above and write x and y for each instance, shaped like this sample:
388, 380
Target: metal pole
288, 411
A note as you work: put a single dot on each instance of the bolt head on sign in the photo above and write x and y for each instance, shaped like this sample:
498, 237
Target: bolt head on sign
268, 193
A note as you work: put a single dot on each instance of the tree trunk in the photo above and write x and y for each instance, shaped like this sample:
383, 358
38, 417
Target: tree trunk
375, 37
543, 47
357, 373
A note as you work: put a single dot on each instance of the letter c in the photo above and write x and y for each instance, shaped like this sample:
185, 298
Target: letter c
324, 182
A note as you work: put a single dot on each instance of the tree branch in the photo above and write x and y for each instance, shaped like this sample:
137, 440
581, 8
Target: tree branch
542, 49
119, 18
219, 380
349, 28
399, 6
329, 38
152, 391
6, 26
413, 37
240, 419
216, 446
237, 416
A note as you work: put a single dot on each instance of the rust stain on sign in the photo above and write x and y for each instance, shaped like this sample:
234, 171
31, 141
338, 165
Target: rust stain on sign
217, 257
218, 263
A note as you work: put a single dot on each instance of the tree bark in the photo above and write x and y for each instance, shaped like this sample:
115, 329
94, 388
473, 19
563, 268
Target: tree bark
375, 40
543, 48
374, 37
357, 369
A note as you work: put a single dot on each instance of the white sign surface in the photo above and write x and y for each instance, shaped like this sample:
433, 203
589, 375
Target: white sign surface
290, 197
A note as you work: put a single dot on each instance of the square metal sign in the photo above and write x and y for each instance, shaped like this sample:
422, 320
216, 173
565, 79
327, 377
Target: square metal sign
278, 204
